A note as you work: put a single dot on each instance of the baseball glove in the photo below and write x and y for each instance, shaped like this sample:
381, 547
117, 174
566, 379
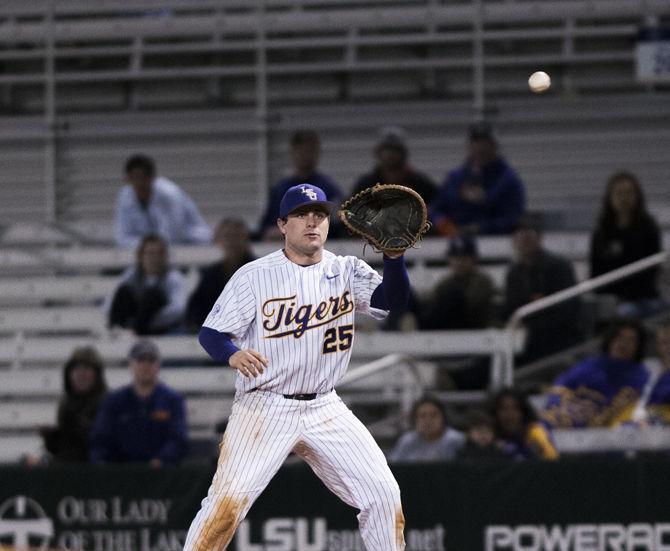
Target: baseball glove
390, 217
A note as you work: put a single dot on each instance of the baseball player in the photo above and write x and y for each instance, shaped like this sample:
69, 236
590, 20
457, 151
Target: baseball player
286, 323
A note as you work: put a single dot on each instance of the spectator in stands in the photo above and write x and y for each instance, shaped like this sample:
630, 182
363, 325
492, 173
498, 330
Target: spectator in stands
305, 152
144, 422
517, 428
151, 204
654, 405
85, 387
603, 390
480, 442
463, 299
537, 273
484, 195
392, 166
432, 439
232, 237
151, 296
626, 232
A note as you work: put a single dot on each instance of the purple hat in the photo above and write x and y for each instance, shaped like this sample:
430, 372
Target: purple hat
301, 195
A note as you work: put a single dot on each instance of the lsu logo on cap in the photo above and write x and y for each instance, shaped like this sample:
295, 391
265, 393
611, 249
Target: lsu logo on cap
309, 192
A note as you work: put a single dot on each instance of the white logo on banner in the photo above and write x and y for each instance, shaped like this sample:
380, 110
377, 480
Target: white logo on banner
578, 537
25, 523
314, 534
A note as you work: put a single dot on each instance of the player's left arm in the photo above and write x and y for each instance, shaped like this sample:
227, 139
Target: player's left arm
393, 292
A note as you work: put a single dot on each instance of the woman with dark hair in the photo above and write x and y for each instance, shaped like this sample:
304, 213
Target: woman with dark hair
84, 386
517, 428
626, 232
431, 439
601, 391
151, 296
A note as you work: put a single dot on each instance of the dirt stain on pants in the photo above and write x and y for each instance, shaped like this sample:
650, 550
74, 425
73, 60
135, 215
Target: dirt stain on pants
220, 526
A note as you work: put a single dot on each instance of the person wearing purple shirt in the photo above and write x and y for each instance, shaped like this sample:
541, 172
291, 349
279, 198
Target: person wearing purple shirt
305, 151
601, 391
144, 422
484, 195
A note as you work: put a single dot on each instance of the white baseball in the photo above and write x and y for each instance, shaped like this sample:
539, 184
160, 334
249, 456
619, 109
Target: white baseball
539, 82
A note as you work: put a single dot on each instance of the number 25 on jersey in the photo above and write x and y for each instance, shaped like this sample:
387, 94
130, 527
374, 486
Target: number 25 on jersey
338, 338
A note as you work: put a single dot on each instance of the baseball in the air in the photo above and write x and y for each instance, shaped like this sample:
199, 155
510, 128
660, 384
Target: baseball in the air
539, 82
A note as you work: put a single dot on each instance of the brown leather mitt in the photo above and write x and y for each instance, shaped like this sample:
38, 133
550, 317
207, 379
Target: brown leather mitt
390, 217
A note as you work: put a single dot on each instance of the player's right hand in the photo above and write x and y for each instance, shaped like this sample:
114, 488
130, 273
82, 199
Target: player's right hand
248, 362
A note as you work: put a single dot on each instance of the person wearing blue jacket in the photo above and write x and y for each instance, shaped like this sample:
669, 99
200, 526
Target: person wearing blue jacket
485, 195
144, 422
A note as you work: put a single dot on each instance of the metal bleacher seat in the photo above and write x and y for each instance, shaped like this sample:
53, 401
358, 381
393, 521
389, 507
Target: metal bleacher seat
51, 350
628, 439
19, 262
13, 447
54, 350
62, 320
73, 289
80, 260
48, 382
188, 87
92, 290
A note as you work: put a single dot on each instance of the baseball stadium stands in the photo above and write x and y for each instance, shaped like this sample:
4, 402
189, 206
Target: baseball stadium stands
213, 89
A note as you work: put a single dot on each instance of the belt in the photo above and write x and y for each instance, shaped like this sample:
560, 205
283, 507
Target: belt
300, 396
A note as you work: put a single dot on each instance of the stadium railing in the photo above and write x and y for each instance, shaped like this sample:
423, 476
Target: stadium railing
54, 350
506, 378
81, 256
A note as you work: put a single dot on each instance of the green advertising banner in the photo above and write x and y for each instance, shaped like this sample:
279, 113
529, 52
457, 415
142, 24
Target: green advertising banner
605, 504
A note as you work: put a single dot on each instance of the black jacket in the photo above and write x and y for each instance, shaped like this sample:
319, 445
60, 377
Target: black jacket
614, 247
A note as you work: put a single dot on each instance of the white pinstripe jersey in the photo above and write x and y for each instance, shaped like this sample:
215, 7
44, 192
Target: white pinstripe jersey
299, 317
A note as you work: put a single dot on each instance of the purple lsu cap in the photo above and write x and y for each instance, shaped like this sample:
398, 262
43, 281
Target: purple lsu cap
301, 195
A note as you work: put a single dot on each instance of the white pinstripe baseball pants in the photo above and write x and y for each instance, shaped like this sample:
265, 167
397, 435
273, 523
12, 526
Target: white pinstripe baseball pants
262, 430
